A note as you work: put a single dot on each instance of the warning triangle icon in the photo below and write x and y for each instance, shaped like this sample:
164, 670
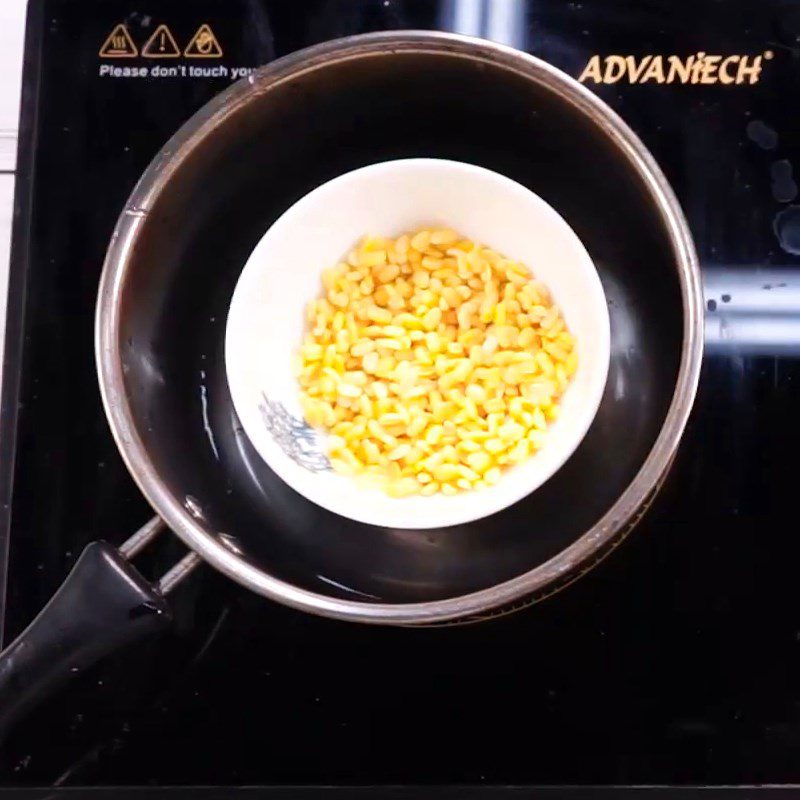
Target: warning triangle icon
204, 44
161, 44
119, 44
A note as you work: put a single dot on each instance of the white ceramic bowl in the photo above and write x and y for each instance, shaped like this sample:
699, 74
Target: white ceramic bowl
266, 322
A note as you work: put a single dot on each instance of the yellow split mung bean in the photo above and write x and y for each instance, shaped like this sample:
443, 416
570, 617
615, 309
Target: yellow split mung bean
433, 362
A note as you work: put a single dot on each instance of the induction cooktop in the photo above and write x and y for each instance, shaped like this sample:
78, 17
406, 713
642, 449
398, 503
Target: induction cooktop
674, 662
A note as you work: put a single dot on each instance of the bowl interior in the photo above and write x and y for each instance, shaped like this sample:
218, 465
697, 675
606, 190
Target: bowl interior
278, 146
266, 321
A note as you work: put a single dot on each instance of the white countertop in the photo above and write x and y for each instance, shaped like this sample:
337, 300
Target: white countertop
12, 34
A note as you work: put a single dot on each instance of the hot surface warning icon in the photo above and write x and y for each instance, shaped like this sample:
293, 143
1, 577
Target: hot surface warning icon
161, 44
119, 44
203, 44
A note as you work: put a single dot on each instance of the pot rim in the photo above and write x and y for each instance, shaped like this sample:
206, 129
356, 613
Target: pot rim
585, 550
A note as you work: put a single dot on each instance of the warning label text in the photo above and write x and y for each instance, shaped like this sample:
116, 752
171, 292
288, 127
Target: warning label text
173, 71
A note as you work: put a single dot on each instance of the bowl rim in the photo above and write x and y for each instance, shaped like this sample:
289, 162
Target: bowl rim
588, 548
494, 499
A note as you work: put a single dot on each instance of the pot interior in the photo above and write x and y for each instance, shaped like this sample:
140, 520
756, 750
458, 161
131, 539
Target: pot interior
262, 157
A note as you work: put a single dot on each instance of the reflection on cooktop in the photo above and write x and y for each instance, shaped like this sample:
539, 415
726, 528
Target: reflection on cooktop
752, 310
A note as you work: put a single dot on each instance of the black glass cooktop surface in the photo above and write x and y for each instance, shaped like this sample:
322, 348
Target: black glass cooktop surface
676, 661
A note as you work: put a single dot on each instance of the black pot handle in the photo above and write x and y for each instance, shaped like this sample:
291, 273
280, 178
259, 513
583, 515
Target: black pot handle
103, 604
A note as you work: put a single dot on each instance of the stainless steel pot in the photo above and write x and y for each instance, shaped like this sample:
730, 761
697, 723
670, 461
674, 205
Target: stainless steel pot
169, 273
